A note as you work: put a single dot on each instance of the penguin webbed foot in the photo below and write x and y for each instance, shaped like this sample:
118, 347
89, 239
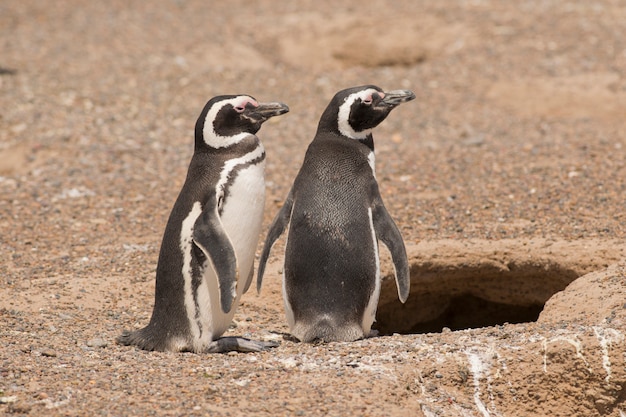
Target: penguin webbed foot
125, 338
239, 344
140, 338
372, 333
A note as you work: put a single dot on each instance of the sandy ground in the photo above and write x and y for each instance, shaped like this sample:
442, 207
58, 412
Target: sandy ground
506, 177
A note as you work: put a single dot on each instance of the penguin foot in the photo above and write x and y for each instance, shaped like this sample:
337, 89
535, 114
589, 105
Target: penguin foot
140, 338
372, 333
239, 344
125, 338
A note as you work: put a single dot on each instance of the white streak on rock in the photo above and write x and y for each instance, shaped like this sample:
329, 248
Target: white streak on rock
606, 337
572, 340
477, 367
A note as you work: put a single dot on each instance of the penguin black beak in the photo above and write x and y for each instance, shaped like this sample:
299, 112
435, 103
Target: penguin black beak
396, 97
265, 111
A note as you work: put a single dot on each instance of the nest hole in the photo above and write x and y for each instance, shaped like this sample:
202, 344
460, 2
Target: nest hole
474, 295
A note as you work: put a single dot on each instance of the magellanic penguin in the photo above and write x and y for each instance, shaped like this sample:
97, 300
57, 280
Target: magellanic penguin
335, 216
207, 253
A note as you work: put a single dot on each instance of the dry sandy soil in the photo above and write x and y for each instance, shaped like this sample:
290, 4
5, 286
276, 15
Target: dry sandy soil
506, 177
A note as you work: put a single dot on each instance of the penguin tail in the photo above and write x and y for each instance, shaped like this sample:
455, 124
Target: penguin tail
326, 329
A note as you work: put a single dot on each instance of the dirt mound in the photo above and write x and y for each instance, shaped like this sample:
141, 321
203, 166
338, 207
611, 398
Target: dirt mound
346, 40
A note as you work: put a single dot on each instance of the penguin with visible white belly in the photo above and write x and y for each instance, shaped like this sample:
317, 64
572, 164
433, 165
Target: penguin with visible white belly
335, 216
207, 253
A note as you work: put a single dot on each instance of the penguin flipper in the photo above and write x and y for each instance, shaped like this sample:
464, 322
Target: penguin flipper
387, 231
249, 280
210, 237
239, 344
276, 229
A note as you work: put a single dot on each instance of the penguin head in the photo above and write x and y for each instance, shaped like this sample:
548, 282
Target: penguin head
354, 112
226, 120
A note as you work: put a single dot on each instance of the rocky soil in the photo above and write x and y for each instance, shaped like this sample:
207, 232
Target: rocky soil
506, 177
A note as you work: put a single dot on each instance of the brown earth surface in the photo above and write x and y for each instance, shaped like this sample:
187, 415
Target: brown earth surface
506, 177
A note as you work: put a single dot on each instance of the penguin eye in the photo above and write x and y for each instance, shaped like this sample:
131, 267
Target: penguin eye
240, 109
367, 100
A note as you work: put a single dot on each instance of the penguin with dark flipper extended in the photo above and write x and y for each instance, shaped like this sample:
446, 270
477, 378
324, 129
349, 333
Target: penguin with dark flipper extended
335, 216
207, 253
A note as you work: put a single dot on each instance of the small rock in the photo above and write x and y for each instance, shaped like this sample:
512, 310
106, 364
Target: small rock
97, 342
242, 382
9, 399
476, 140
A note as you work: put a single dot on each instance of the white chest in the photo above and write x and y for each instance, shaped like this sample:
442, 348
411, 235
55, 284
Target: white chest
242, 213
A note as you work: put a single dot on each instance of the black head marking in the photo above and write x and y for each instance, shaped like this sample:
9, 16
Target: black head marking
354, 112
226, 120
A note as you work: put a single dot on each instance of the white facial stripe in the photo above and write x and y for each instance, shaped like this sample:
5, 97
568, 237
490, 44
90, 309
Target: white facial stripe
242, 101
343, 117
210, 136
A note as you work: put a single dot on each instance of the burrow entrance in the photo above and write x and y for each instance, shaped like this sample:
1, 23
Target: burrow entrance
460, 285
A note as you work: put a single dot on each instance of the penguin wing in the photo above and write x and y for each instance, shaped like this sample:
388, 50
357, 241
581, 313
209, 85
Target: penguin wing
276, 229
249, 280
387, 231
210, 237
